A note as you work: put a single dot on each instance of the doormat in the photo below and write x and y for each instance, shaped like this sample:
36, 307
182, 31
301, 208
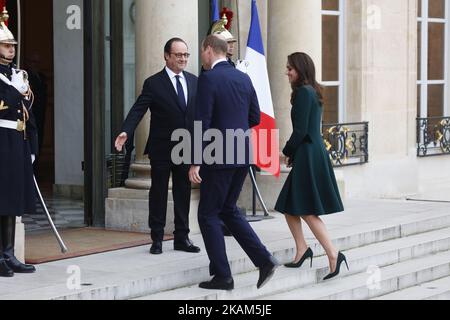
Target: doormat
43, 247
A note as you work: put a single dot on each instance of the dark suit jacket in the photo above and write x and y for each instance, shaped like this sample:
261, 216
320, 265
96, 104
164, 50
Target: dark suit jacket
226, 99
17, 194
159, 96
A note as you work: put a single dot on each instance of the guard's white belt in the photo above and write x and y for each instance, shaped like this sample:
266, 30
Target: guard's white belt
15, 125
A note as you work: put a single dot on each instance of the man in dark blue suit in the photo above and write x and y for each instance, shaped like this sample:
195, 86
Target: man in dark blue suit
226, 100
170, 97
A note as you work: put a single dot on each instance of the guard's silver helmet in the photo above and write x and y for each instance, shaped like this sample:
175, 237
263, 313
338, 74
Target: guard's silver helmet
219, 28
6, 35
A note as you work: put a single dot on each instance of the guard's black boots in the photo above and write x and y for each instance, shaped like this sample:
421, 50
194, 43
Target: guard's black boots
5, 271
8, 232
19, 267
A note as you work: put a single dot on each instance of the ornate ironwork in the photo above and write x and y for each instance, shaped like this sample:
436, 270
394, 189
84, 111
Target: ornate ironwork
433, 136
117, 168
347, 143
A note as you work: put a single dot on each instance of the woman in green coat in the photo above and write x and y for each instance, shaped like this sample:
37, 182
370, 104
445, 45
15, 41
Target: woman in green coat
311, 189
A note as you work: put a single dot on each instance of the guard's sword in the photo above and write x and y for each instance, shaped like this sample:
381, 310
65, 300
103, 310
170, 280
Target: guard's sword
49, 218
58, 237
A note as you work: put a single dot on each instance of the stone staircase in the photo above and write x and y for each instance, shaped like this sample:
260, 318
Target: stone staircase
405, 258
433, 290
395, 250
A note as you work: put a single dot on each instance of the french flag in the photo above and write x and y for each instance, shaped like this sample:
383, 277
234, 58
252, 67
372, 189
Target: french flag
265, 136
215, 10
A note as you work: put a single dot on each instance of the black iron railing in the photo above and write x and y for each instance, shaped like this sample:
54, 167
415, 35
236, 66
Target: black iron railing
347, 143
117, 166
433, 136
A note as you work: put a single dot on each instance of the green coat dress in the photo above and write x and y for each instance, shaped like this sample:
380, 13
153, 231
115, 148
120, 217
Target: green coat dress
311, 187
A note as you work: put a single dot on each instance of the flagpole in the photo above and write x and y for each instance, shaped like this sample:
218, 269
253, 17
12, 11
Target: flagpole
256, 192
256, 70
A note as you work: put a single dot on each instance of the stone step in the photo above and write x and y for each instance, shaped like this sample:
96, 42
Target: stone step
134, 273
194, 270
434, 290
366, 234
127, 210
363, 286
381, 254
148, 275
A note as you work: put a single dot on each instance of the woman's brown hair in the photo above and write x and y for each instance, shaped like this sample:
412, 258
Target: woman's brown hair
304, 65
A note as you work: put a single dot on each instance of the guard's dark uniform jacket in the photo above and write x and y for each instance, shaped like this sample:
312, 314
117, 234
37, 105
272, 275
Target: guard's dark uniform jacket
17, 193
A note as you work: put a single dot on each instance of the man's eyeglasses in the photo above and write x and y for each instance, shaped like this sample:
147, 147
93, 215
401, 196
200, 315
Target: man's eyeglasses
181, 55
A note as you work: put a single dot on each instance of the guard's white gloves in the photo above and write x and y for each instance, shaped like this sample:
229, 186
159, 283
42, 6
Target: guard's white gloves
33, 158
19, 80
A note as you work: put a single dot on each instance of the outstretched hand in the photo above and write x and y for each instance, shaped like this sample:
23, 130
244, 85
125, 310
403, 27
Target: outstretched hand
120, 141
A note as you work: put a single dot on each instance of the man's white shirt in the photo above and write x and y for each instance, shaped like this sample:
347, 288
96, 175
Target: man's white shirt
173, 79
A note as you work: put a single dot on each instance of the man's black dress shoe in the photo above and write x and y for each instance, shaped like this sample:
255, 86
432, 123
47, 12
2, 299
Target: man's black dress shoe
156, 248
185, 245
266, 272
18, 267
5, 271
218, 284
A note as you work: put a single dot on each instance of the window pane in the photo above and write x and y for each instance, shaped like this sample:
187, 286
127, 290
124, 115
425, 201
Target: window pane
436, 8
435, 100
331, 105
436, 51
419, 51
330, 48
419, 8
330, 5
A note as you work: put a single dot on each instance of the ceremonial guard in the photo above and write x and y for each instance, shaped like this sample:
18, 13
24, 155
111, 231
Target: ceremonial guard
18, 147
219, 27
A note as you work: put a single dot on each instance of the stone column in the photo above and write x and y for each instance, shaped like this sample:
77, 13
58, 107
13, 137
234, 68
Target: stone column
287, 26
381, 89
156, 22
356, 57
294, 25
